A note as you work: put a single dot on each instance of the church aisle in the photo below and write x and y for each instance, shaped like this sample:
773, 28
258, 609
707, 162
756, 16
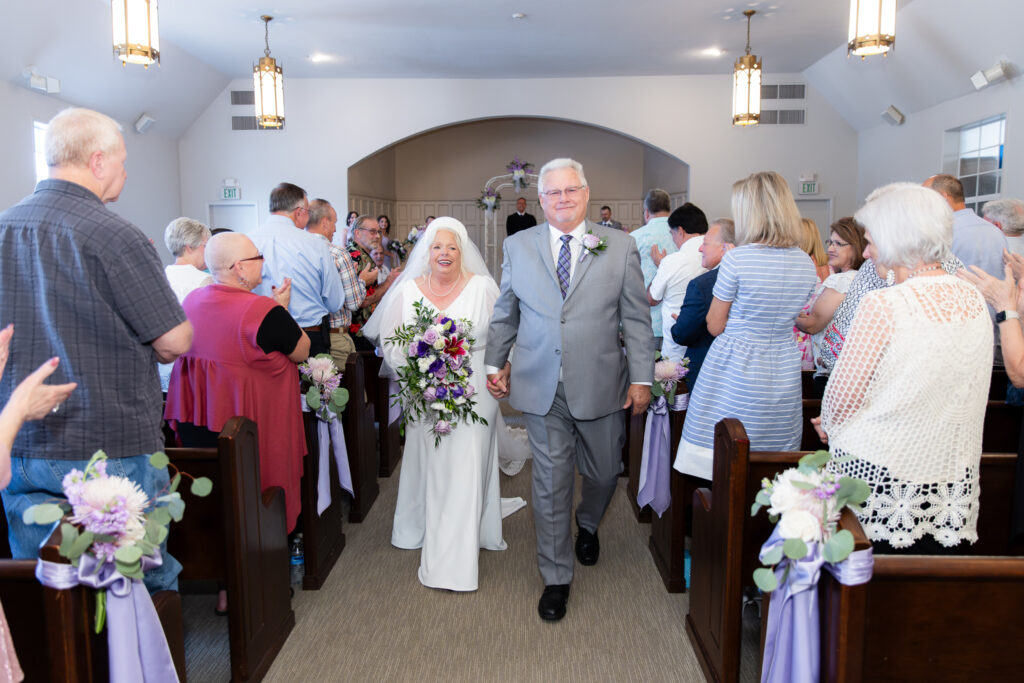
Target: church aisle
373, 621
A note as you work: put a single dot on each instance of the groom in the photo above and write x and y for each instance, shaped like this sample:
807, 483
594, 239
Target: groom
562, 304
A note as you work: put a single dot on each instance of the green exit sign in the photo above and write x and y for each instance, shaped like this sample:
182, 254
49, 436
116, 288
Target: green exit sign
230, 193
809, 187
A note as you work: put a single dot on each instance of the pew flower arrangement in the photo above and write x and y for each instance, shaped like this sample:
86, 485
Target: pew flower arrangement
397, 248
434, 384
805, 502
111, 521
322, 387
667, 374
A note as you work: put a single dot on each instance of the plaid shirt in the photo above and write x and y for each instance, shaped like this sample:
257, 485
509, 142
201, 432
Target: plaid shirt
82, 283
355, 289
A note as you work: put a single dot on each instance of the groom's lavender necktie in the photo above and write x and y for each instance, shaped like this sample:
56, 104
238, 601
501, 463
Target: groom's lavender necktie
563, 264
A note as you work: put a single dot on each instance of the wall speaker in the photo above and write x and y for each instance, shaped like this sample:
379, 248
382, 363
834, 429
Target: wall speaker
990, 75
893, 116
144, 123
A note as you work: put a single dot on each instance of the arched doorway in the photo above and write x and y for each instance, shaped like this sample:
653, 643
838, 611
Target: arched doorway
442, 172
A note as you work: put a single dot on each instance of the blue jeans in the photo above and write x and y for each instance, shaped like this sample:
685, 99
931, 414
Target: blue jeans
36, 480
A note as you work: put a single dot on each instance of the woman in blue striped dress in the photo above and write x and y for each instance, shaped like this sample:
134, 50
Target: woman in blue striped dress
752, 371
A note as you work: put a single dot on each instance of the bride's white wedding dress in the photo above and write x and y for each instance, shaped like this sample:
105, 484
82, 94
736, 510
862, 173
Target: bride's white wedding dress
448, 497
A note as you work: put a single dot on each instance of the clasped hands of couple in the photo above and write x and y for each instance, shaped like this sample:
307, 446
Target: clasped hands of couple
637, 398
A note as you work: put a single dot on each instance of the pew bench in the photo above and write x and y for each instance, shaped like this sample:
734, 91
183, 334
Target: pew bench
360, 438
322, 535
52, 630
379, 391
726, 539
237, 535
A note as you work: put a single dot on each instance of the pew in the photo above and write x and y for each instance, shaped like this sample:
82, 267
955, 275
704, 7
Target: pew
238, 535
52, 630
925, 618
996, 388
322, 535
667, 541
633, 455
360, 438
379, 391
726, 539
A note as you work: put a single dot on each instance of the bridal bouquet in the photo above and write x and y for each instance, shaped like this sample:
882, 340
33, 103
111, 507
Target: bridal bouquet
434, 384
110, 519
322, 382
806, 502
667, 374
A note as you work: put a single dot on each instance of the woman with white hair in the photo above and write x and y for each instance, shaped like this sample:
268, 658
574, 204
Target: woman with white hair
186, 239
448, 497
905, 405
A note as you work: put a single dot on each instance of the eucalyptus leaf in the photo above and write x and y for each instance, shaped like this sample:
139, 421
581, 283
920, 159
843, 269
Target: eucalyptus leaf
45, 513
313, 398
765, 579
856, 491
755, 508
161, 516
128, 554
802, 485
773, 556
132, 571
340, 397
159, 460
175, 482
763, 498
201, 487
839, 547
177, 509
68, 534
794, 548
81, 544
815, 460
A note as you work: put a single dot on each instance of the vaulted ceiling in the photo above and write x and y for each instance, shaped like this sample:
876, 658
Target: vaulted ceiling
206, 44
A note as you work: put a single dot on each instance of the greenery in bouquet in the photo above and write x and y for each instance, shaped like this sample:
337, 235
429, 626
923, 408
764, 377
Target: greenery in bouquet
667, 374
489, 200
434, 385
806, 501
110, 518
322, 388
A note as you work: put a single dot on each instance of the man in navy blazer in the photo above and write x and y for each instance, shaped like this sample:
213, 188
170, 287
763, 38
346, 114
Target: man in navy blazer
691, 328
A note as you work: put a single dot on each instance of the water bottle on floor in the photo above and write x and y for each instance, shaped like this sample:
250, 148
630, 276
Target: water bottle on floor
298, 568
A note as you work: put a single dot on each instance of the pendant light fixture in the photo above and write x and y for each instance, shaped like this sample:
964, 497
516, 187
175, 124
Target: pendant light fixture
136, 36
268, 84
872, 27
746, 85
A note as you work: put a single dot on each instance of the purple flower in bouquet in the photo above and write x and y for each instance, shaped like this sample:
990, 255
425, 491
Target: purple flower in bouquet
456, 391
429, 394
438, 364
455, 362
429, 336
442, 427
441, 392
470, 391
423, 349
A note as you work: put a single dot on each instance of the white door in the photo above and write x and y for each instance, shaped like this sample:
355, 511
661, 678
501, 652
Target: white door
237, 216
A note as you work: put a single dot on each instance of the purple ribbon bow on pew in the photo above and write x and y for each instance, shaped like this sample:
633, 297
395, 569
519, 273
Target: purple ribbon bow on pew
653, 487
136, 642
792, 648
328, 433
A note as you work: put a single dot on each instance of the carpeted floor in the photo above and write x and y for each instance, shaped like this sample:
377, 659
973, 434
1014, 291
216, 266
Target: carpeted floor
373, 621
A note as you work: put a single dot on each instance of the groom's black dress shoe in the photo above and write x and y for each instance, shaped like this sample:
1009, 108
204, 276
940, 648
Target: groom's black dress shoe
552, 602
587, 547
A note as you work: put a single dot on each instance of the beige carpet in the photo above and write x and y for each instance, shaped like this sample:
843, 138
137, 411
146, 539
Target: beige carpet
373, 621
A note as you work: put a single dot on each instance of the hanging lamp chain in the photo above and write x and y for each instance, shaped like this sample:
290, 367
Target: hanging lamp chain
266, 34
749, 13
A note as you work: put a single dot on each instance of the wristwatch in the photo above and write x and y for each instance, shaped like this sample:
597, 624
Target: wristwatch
1003, 316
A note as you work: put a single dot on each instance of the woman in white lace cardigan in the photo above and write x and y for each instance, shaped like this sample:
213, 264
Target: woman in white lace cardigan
905, 405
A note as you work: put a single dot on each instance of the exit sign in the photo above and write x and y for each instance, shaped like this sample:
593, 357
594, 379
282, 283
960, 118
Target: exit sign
810, 187
230, 192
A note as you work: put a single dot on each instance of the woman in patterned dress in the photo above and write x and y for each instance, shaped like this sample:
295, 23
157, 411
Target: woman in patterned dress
752, 371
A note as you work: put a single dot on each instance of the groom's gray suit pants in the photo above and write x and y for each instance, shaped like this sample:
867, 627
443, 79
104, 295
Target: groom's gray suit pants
560, 443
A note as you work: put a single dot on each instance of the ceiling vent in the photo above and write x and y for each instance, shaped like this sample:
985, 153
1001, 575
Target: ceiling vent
782, 117
784, 91
243, 97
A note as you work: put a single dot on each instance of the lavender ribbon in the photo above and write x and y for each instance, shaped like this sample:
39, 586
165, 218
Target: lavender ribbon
328, 433
655, 467
136, 642
792, 648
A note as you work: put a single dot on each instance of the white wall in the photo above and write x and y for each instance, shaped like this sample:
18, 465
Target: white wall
913, 151
150, 198
686, 116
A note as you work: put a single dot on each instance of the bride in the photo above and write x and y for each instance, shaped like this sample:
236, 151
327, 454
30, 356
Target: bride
448, 498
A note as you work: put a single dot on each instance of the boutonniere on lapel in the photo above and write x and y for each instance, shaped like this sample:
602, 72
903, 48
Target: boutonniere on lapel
592, 244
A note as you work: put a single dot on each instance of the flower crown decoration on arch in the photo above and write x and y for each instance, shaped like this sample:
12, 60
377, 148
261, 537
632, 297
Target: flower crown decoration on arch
519, 176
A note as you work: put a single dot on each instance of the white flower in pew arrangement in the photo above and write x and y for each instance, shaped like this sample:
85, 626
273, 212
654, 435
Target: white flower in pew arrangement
110, 518
667, 374
806, 502
322, 387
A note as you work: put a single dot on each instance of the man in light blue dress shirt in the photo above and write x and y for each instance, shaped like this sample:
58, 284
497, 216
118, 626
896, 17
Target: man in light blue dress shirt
654, 241
291, 252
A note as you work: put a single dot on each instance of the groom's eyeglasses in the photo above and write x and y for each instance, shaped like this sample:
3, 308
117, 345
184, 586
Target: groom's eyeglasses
569, 192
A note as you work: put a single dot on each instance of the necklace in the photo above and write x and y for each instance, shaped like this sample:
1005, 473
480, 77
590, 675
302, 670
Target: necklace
923, 269
450, 289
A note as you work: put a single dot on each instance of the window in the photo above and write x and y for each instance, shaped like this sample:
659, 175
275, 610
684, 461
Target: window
39, 130
979, 160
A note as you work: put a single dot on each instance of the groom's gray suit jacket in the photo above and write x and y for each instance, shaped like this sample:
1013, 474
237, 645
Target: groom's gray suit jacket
580, 334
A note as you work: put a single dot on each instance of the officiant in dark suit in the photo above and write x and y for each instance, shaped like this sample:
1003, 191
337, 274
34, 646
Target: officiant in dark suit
520, 220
